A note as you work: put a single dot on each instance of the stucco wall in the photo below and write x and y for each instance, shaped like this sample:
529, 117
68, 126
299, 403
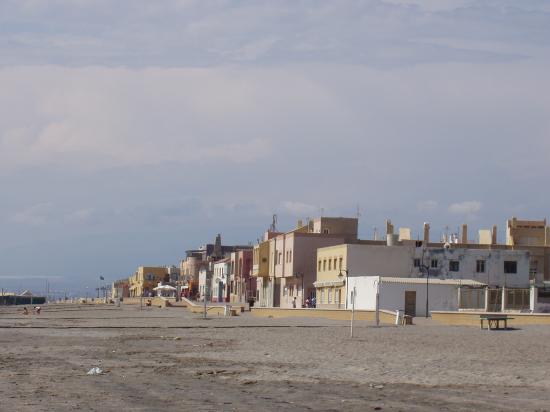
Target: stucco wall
392, 295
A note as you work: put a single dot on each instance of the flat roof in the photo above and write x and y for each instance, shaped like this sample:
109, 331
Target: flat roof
431, 281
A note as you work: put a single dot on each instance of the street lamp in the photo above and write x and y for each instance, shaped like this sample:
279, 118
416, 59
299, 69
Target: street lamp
425, 267
301, 275
341, 277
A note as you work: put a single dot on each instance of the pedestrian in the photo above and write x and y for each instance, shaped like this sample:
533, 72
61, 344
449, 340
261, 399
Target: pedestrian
307, 303
294, 303
313, 302
25, 311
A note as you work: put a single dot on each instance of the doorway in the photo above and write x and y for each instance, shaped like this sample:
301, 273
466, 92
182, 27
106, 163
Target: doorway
220, 291
277, 293
410, 302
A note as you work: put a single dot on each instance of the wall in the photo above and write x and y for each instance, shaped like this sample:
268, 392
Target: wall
336, 225
392, 295
494, 265
472, 318
334, 314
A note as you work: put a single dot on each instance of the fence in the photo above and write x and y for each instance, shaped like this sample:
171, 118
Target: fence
472, 298
517, 299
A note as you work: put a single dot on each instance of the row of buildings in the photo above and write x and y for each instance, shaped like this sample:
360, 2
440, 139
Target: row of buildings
325, 259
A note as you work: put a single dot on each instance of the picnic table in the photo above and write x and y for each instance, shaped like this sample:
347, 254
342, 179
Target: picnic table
493, 321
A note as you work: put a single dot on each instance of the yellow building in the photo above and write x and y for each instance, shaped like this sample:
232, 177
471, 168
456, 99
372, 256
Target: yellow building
260, 270
330, 285
146, 278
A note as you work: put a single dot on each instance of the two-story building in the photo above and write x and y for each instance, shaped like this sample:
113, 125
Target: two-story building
142, 282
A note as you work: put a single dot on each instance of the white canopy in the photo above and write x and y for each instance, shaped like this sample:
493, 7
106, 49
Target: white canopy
164, 287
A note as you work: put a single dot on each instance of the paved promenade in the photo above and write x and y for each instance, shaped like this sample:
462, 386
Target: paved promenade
171, 359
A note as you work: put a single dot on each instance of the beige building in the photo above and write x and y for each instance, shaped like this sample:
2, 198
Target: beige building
260, 270
292, 258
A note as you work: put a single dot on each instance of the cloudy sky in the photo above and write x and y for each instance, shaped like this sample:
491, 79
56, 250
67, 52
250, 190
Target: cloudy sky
131, 131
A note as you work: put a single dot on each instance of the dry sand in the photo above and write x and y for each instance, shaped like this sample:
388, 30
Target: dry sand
170, 359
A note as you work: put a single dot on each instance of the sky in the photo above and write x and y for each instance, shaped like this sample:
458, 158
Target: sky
132, 131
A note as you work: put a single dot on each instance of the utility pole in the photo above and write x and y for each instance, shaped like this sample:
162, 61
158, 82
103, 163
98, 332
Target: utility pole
353, 295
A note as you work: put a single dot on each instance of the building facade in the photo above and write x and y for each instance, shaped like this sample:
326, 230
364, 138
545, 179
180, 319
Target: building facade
494, 267
142, 282
292, 258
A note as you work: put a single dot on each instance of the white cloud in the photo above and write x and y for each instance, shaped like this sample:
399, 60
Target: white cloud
37, 214
468, 208
300, 209
80, 215
427, 206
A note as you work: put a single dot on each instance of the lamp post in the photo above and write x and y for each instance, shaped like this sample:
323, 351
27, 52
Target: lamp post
425, 267
341, 276
301, 275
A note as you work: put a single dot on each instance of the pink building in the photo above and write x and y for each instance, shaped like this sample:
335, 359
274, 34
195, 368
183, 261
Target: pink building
242, 284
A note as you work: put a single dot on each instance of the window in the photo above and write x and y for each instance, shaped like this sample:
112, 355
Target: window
510, 266
325, 231
322, 295
330, 296
290, 256
480, 266
341, 259
434, 264
324, 265
330, 264
280, 256
416, 263
454, 266
334, 264
319, 268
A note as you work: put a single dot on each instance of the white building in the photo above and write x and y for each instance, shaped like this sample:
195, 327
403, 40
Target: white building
407, 294
205, 282
220, 280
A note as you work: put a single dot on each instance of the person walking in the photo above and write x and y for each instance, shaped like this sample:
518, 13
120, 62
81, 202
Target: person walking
294, 302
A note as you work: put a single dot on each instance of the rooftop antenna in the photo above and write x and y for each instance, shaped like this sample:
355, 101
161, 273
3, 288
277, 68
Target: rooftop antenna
322, 211
358, 214
375, 233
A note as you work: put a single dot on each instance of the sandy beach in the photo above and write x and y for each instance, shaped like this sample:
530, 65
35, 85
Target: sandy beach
171, 359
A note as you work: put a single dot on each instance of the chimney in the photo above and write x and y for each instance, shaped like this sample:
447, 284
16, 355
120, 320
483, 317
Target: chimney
494, 235
464, 239
389, 227
426, 233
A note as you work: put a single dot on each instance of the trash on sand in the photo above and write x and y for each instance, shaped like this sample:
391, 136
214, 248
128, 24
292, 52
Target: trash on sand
95, 371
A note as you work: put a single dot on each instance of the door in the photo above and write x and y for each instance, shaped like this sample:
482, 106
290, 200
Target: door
220, 291
277, 293
410, 302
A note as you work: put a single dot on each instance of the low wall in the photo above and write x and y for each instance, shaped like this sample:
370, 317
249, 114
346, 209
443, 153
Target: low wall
334, 314
472, 318
217, 309
155, 301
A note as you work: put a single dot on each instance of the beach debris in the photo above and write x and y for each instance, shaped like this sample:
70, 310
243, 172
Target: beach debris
95, 371
177, 338
372, 385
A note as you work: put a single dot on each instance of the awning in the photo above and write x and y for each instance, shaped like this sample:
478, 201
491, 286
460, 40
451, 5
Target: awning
164, 287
